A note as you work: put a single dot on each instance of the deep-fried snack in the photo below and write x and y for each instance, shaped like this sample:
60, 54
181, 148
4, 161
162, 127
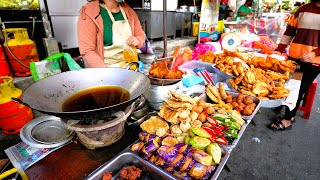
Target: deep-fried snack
234, 104
250, 77
151, 125
211, 96
247, 100
247, 111
229, 99
160, 70
235, 71
238, 79
260, 87
214, 90
222, 91
240, 98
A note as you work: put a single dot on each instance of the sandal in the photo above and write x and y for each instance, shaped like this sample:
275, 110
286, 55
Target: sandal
279, 126
281, 117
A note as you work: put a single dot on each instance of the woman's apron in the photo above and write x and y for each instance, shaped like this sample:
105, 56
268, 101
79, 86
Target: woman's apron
121, 31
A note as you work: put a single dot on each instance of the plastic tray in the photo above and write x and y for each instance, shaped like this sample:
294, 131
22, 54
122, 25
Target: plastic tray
189, 66
127, 158
272, 103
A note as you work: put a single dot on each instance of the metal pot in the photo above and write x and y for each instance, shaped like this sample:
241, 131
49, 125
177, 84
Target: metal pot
157, 94
48, 95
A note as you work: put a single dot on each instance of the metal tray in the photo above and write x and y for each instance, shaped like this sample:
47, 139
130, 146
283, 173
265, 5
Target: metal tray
220, 167
272, 103
235, 142
205, 98
127, 158
255, 100
222, 74
214, 175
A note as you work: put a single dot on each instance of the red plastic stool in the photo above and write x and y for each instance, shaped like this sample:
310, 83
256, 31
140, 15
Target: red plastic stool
308, 100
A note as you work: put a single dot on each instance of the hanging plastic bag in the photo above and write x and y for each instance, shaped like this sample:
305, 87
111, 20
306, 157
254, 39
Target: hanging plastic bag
147, 48
51, 66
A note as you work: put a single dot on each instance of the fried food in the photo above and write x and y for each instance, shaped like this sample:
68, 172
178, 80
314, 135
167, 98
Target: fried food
169, 115
247, 100
211, 96
151, 125
250, 77
181, 97
240, 98
222, 91
130, 173
160, 70
229, 99
175, 105
214, 91
247, 111
260, 88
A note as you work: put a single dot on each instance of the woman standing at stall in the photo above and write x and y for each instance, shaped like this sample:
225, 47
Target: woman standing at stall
303, 35
104, 26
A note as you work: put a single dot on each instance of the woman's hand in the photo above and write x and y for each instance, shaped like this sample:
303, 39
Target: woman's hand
308, 56
133, 41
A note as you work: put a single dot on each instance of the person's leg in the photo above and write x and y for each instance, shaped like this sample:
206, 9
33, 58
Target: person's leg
310, 72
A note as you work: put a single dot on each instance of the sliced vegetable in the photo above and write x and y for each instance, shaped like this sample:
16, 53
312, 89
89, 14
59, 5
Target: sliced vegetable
202, 157
200, 132
220, 117
199, 142
150, 137
197, 171
159, 161
151, 147
170, 170
222, 140
207, 125
209, 130
137, 147
234, 126
147, 156
182, 175
186, 164
215, 151
179, 145
169, 152
212, 121
152, 158
210, 169
177, 161
142, 136
170, 141
184, 149
187, 140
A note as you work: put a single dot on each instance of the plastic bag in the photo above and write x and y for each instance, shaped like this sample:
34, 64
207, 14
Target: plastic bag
182, 58
201, 49
147, 48
51, 66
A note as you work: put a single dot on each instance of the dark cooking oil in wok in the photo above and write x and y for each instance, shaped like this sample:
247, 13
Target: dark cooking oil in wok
95, 97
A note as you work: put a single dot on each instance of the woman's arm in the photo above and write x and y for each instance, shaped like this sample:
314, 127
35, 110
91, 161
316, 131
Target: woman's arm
137, 28
289, 33
87, 40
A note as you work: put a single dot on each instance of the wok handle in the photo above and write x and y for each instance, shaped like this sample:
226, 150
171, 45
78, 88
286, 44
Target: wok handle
20, 102
132, 64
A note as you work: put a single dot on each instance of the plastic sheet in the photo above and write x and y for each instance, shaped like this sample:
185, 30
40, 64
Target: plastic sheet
202, 49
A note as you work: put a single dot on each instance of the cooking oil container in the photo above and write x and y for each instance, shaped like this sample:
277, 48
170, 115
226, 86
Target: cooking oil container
21, 50
195, 28
13, 115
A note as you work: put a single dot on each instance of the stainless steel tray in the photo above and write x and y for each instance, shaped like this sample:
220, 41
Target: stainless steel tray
235, 142
127, 158
272, 103
205, 98
220, 167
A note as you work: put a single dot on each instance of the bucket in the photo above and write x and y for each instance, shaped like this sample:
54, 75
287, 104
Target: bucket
195, 28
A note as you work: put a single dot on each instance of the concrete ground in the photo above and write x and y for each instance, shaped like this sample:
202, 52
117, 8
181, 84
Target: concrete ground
293, 154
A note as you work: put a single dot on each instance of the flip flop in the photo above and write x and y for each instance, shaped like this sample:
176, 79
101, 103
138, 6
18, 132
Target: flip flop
281, 117
279, 126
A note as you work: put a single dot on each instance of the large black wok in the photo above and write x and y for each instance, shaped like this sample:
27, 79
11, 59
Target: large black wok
48, 95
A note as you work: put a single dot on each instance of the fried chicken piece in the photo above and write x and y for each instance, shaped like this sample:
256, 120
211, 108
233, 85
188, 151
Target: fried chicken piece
160, 70
107, 176
130, 173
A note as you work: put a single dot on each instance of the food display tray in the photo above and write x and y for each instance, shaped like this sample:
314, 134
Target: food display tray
149, 170
205, 98
128, 158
